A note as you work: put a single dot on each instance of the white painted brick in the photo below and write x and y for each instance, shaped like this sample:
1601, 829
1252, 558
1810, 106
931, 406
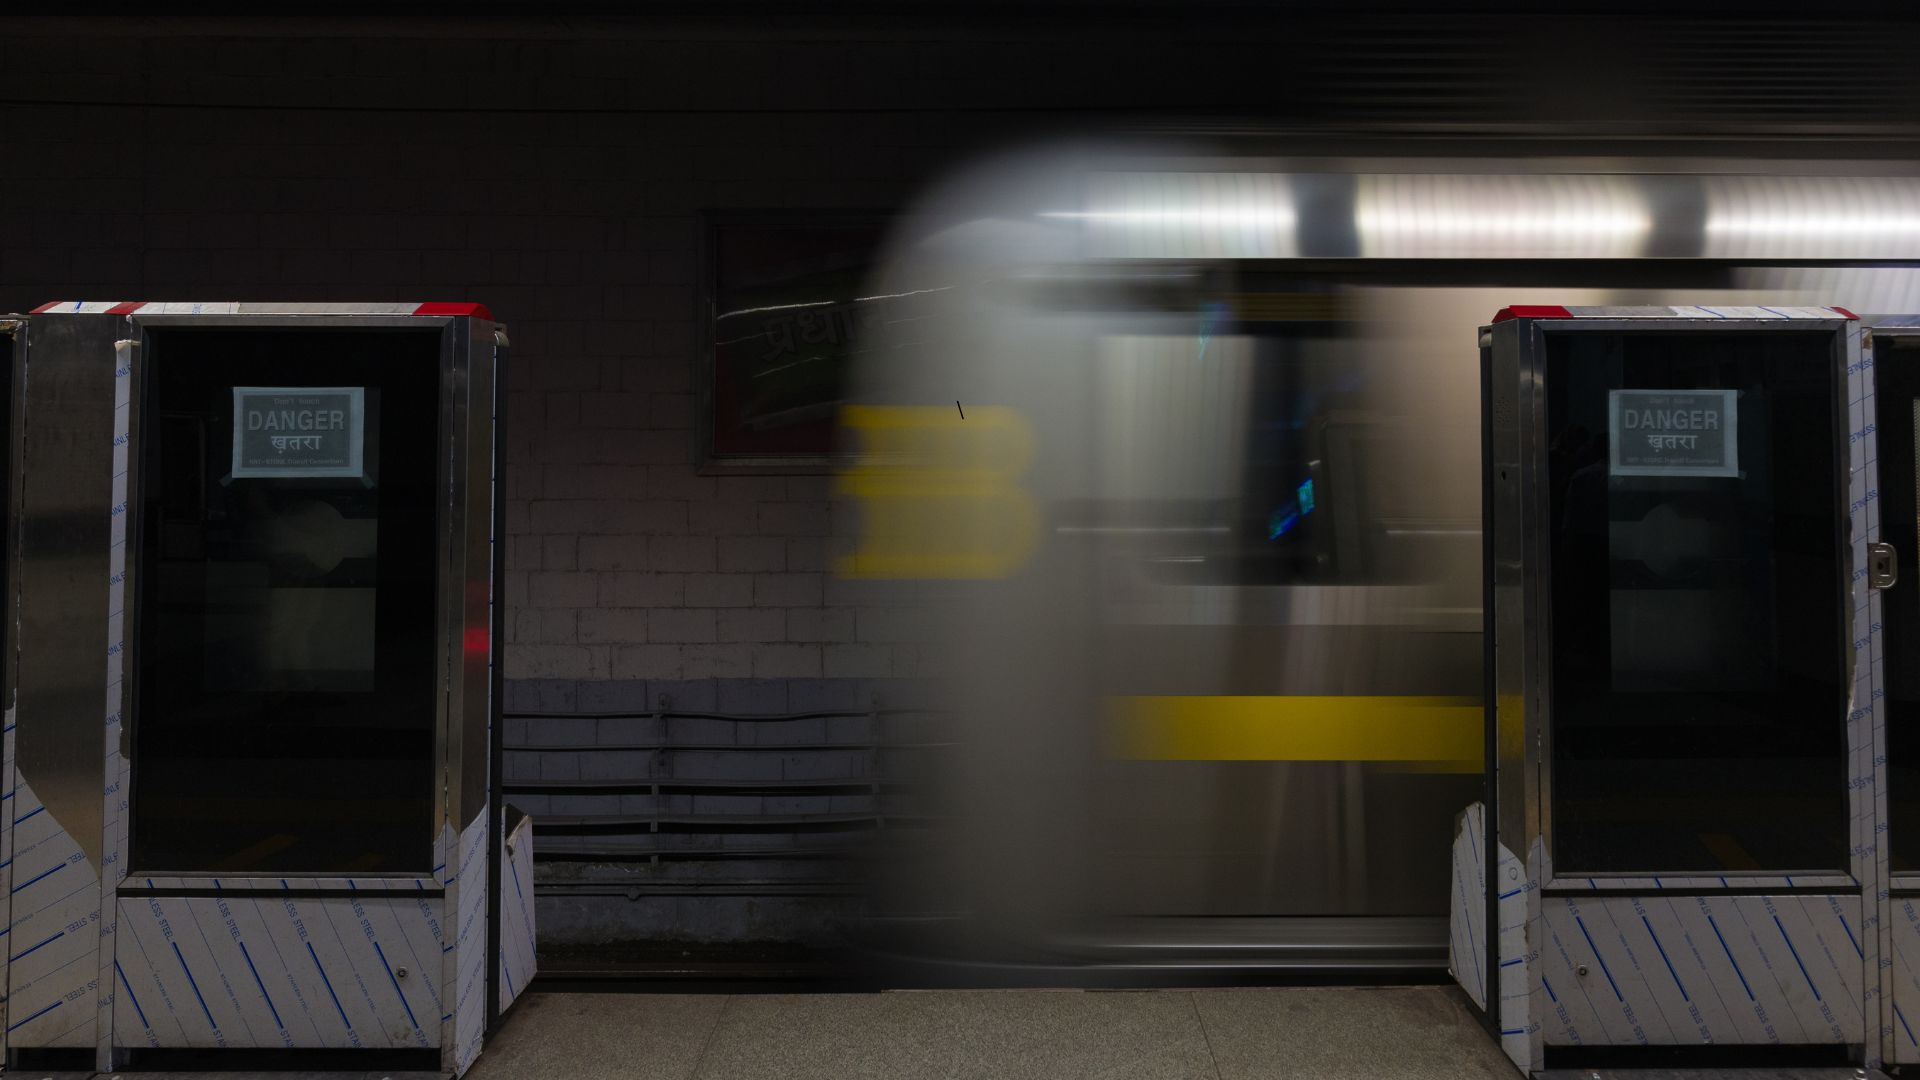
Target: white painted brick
751, 553
648, 662
751, 624
807, 488
619, 411
808, 553
613, 553
719, 590
750, 489
723, 518
670, 411
679, 482
557, 627
612, 626
682, 553
559, 553
603, 482
557, 662
523, 553
793, 519
858, 661
557, 589
608, 516
786, 661
786, 590
820, 624
680, 624
717, 661
642, 590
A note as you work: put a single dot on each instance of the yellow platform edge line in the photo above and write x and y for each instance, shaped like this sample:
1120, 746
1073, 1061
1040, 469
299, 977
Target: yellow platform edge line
1421, 733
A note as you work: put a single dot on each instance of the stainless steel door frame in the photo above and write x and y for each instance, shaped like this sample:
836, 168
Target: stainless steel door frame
452, 335
64, 506
13, 361
1527, 437
1898, 906
437, 887
1537, 910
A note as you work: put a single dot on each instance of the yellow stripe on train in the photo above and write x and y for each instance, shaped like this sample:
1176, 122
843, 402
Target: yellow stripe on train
1439, 734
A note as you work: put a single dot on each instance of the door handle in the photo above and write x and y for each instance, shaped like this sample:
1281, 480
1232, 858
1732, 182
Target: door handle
1883, 566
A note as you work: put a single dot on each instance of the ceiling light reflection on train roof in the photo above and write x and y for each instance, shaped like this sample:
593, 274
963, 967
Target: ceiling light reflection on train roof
1206, 215
1779, 217
1418, 216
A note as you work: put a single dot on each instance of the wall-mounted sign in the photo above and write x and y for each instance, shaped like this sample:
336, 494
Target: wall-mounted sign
298, 431
1673, 432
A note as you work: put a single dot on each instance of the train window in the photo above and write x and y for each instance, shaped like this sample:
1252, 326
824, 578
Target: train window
1898, 414
1698, 686
1255, 458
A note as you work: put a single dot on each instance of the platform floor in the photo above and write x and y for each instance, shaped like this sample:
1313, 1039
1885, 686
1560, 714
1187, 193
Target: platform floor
1255, 1034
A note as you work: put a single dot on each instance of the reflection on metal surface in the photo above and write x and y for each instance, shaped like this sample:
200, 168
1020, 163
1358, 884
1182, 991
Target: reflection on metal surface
1215, 215
1810, 217
1413, 216
66, 483
1233, 728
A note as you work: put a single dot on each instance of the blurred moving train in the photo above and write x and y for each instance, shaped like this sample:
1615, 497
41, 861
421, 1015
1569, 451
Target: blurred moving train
1184, 451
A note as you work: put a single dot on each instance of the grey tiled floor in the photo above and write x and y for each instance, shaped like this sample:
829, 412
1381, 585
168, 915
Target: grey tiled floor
1308, 1033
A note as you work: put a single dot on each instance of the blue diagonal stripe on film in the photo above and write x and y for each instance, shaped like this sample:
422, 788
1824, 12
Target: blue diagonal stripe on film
138, 1011
1856, 944
58, 934
329, 982
1730, 959
191, 981
1577, 921
1549, 988
1663, 957
1796, 957
399, 993
42, 874
248, 957
1902, 1017
36, 1016
30, 813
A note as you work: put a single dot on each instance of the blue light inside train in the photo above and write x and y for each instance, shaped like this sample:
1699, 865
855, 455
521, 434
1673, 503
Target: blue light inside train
1288, 516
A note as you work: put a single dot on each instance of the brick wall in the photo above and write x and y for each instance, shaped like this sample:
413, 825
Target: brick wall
558, 174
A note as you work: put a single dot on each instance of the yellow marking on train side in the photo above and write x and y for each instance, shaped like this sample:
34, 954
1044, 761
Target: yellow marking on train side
1437, 731
939, 492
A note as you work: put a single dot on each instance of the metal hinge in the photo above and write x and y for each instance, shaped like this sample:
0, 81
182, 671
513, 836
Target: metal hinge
1883, 566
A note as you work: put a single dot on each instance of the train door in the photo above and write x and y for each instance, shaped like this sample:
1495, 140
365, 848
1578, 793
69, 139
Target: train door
1887, 421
